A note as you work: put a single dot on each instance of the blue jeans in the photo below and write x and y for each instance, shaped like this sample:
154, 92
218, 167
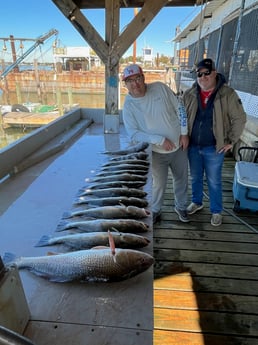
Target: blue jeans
206, 160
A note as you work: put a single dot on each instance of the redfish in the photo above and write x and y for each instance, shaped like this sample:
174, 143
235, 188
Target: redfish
94, 265
92, 239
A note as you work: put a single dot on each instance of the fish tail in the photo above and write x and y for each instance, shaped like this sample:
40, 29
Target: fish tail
44, 241
9, 258
78, 201
63, 225
67, 215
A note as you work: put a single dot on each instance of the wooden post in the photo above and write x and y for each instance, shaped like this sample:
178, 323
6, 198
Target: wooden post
59, 102
37, 79
111, 116
18, 93
70, 97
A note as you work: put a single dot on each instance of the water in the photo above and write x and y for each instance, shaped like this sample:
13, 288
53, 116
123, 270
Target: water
9, 135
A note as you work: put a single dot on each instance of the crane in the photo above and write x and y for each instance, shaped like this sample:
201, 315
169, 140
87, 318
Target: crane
39, 40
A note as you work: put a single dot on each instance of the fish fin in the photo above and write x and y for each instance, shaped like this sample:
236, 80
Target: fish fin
63, 225
111, 243
100, 247
80, 200
52, 253
77, 201
67, 215
114, 229
9, 258
44, 241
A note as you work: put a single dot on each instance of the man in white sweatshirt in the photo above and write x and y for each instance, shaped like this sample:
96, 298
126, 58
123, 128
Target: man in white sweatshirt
153, 114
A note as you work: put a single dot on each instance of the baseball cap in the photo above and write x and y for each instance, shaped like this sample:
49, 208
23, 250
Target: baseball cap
206, 63
130, 71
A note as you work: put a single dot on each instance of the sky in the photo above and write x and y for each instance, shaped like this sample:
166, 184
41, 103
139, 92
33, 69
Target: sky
32, 18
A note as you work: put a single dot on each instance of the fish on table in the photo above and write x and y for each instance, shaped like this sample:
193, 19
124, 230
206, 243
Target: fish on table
134, 155
118, 171
128, 161
121, 184
88, 240
116, 200
99, 225
132, 149
92, 265
109, 212
110, 192
120, 177
130, 168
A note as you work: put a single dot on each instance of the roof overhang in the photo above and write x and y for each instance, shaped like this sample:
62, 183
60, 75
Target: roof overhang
205, 13
94, 4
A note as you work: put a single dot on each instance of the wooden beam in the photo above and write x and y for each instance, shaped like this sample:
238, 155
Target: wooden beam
149, 10
112, 65
83, 26
94, 4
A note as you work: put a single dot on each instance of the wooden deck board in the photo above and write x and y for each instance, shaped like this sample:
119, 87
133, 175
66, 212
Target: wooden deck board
206, 278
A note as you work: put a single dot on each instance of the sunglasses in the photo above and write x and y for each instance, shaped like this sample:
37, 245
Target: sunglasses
135, 80
200, 74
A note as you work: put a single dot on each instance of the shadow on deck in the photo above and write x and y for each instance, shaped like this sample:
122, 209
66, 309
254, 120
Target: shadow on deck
206, 278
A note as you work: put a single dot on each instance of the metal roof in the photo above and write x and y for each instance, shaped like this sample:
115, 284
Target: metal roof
207, 12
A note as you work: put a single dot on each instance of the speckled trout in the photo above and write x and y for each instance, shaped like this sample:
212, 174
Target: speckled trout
95, 265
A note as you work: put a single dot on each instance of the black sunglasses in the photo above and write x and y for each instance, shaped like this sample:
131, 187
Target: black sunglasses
200, 74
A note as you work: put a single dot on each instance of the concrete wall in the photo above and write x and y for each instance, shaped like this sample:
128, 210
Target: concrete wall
45, 141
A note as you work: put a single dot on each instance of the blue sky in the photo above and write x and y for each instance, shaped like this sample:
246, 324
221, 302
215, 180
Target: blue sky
32, 18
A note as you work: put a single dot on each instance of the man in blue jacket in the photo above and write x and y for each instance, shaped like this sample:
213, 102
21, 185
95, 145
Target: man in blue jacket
216, 119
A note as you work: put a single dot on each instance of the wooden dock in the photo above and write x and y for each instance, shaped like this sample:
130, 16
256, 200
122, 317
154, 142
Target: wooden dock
32, 119
206, 278
26, 119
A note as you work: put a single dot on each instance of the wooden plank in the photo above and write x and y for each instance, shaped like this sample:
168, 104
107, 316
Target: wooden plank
185, 282
206, 278
174, 299
208, 270
149, 10
200, 235
215, 246
191, 338
204, 256
206, 322
17, 119
84, 27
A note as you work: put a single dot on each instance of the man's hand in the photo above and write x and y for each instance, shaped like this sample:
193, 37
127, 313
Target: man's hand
184, 141
226, 148
168, 145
